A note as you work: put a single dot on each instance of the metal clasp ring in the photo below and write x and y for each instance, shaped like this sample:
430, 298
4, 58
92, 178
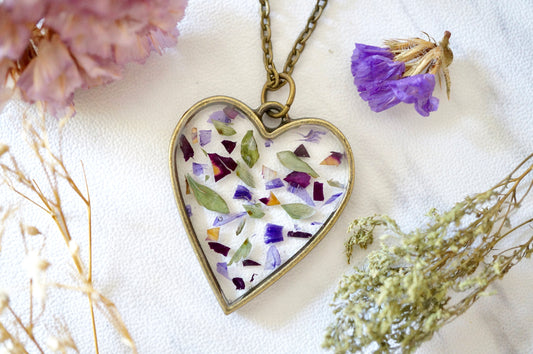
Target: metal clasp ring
292, 92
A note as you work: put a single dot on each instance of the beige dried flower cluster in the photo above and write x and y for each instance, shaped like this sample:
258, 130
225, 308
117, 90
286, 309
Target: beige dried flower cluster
21, 329
421, 280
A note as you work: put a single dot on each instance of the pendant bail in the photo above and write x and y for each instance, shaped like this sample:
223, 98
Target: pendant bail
284, 78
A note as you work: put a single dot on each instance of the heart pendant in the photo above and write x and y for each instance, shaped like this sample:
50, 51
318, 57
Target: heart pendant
255, 200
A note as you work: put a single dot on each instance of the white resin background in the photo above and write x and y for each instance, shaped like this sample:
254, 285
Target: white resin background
404, 165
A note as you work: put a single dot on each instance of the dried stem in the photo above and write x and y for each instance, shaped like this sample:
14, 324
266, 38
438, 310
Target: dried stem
26, 330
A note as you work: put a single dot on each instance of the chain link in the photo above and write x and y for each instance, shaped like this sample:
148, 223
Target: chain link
273, 77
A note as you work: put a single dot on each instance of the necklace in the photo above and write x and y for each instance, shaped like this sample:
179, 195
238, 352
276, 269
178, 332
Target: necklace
255, 199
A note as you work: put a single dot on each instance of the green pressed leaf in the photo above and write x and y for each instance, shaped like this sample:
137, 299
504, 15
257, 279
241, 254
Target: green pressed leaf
255, 210
249, 151
242, 252
293, 162
298, 210
244, 174
223, 128
207, 197
240, 227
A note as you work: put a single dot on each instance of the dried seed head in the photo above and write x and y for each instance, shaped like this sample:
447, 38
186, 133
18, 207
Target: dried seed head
32, 230
35, 265
3, 149
4, 301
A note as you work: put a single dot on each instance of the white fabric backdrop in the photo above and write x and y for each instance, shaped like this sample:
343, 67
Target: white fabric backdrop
405, 164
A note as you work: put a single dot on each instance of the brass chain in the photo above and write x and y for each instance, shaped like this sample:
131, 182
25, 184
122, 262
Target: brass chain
274, 81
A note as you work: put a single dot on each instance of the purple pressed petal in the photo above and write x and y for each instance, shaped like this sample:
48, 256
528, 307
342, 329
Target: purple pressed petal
314, 223
275, 183
312, 136
231, 112
417, 89
302, 194
333, 198
219, 248
197, 169
273, 233
268, 143
252, 278
189, 210
298, 179
205, 137
222, 269
242, 193
273, 259
301, 151
250, 263
229, 145
299, 234
239, 283
224, 219
186, 148
220, 116
318, 191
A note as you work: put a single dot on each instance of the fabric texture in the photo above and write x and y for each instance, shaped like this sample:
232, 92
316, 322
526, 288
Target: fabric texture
405, 164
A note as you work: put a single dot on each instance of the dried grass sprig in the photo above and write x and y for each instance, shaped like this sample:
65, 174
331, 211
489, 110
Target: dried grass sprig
46, 193
421, 280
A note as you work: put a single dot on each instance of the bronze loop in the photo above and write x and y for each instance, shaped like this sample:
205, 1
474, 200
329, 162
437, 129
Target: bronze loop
270, 108
292, 92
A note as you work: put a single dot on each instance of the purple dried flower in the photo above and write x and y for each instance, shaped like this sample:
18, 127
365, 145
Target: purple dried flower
298, 179
403, 72
242, 193
268, 143
273, 233
275, 183
221, 165
222, 269
273, 259
231, 112
189, 210
219, 248
239, 283
197, 168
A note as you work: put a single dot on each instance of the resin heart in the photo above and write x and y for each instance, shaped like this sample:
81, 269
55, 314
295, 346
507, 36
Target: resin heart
254, 201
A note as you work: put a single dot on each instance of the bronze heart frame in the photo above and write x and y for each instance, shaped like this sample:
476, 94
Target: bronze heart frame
267, 133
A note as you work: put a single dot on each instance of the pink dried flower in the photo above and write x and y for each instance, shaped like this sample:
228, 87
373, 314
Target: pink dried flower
49, 49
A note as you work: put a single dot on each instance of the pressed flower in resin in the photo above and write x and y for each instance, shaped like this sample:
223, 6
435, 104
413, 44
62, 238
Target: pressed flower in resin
242, 193
205, 137
270, 200
222, 269
313, 136
301, 151
333, 198
250, 263
273, 184
299, 234
239, 283
273, 233
403, 72
230, 112
212, 234
221, 165
298, 179
318, 191
225, 219
219, 248
273, 259
332, 160
229, 145
194, 135
302, 194
186, 148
